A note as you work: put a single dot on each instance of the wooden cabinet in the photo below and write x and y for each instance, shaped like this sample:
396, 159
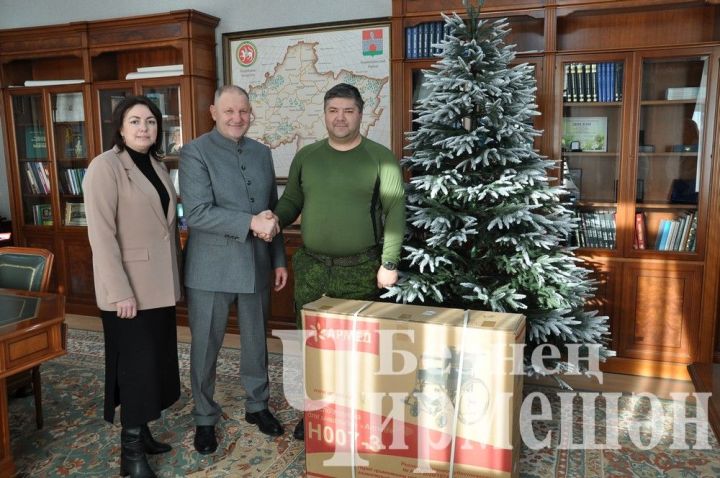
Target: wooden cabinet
59, 86
629, 115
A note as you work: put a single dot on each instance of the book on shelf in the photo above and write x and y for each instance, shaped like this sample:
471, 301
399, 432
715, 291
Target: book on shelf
35, 143
662, 234
37, 177
422, 40
682, 93
69, 108
567, 94
692, 235
596, 229
580, 81
75, 214
71, 180
640, 230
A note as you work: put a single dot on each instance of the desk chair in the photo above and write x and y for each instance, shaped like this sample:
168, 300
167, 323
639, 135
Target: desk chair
26, 268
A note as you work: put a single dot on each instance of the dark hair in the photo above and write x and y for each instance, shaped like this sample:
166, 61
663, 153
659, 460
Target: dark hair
118, 116
343, 90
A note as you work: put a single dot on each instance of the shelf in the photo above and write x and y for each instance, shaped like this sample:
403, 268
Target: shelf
592, 103
667, 102
596, 204
664, 206
586, 154
662, 155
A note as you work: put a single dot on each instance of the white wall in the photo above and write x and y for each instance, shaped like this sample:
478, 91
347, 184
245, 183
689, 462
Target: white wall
235, 15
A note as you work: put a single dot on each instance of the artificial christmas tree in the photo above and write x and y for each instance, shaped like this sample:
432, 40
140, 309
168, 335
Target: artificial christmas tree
486, 229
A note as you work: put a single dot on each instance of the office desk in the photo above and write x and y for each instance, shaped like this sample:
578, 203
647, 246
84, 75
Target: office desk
31, 332
706, 378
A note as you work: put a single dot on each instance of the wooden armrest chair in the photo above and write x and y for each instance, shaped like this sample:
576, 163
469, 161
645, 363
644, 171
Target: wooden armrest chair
26, 268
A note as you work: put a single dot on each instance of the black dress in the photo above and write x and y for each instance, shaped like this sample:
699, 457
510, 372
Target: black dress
141, 361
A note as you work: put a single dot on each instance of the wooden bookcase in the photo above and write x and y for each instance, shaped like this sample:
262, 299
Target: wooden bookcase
53, 131
653, 165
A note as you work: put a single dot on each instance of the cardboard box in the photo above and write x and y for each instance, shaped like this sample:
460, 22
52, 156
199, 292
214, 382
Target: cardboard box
384, 377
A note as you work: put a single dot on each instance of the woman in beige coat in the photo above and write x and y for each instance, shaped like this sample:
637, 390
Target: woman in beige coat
130, 205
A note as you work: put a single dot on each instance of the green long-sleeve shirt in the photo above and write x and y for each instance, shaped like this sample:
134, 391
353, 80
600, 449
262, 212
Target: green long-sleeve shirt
349, 200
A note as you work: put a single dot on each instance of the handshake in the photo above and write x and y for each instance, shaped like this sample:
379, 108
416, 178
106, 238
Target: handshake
265, 225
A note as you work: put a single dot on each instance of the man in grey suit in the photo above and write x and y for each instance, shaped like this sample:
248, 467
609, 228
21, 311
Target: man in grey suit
228, 185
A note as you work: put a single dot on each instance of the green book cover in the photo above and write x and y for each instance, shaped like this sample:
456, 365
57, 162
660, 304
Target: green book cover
35, 143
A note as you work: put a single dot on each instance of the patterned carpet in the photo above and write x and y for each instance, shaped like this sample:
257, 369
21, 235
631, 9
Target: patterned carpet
77, 442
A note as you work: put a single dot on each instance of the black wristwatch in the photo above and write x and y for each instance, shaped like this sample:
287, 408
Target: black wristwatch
389, 265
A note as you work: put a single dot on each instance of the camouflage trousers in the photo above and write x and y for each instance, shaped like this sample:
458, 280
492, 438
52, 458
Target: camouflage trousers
316, 275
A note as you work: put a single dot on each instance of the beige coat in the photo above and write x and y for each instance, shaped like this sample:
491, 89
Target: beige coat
134, 245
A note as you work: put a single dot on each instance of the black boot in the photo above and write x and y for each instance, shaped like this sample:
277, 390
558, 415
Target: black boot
133, 461
152, 446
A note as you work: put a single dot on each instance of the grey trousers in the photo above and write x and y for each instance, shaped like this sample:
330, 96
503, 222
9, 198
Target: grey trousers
208, 316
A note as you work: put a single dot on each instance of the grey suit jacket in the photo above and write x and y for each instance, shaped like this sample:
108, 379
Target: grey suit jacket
224, 183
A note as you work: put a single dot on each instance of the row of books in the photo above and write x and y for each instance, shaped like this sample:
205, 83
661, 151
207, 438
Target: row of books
677, 234
42, 215
596, 229
419, 40
37, 177
74, 214
71, 180
601, 82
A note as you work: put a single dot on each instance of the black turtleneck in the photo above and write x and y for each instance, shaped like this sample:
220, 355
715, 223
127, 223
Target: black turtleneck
142, 161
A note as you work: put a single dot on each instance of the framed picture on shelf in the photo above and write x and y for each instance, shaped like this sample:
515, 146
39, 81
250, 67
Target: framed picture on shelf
158, 99
575, 175
75, 214
173, 140
114, 101
585, 133
289, 112
69, 107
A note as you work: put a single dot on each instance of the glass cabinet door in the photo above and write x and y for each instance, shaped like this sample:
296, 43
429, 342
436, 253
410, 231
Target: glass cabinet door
591, 144
31, 139
108, 99
167, 99
670, 138
71, 154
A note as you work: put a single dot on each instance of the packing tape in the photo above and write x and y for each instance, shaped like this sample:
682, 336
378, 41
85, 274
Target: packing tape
353, 389
458, 388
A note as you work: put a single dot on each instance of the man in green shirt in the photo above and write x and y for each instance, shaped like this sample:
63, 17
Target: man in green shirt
349, 190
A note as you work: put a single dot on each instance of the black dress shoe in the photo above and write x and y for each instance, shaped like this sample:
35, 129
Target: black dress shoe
205, 441
299, 432
265, 421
